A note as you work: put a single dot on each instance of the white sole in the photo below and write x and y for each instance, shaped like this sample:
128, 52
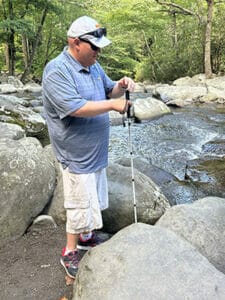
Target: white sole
61, 261
83, 247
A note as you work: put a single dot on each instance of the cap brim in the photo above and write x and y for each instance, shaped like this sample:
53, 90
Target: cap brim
98, 42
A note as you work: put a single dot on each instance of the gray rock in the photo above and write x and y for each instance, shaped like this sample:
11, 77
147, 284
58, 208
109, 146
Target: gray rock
184, 93
175, 190
147, 262
15, 110
56, 208
7, 88
25, 116
32, 87
27, 183
11, 84
217, 82
41, 224
43, 220
10, 101
217, 92
207, 174
151, 203
15, 82
146, 108
11, 131
149, 108
202, 224
139, 87
116, 119
210, 97
186, 90
197, 80
183, 81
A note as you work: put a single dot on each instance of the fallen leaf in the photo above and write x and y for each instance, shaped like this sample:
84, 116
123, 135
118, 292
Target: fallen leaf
63, 298
69, 280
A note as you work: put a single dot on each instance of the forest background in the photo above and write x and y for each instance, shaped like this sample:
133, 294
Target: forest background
152, 40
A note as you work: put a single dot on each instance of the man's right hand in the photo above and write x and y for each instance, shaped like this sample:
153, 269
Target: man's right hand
121, 105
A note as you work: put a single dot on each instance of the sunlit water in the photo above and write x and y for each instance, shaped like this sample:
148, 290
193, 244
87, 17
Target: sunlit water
170, 141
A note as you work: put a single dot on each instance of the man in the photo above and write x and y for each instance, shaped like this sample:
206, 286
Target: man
77, 96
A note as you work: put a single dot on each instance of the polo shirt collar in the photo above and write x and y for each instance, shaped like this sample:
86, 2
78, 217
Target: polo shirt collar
77, 65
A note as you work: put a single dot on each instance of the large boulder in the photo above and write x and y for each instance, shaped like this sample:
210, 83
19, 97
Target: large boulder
139, 88
15, 82
32, 87
12, 84
149, 108
18, 111
215, 88
151, 203
147, 262
217, 82
8, 102
174, 95
203, 225
196, 80
116, 119
11, 131
207, 174
7, 88
176, 191
27, 180
56, 206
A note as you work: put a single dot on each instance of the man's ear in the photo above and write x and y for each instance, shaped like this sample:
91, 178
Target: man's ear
73, 42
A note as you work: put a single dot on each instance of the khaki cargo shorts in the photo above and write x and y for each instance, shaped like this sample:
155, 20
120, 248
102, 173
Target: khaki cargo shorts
85, 195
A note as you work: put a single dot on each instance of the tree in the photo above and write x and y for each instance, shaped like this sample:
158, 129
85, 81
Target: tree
208, 28
35, 44
8, 16
158, 40
23, 21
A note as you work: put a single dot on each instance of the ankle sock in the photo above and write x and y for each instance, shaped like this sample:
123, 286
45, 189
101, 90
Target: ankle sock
68, 251
85, 236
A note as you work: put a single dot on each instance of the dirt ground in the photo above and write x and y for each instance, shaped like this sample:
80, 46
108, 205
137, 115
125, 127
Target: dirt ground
30, 267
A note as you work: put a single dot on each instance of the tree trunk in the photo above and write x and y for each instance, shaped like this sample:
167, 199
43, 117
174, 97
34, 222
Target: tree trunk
6, 52
11, 42
35, 45
207, 57
11, 53
25, 48
208, 28
174, 28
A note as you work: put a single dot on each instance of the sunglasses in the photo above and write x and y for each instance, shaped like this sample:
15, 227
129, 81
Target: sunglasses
98, 33
93, 47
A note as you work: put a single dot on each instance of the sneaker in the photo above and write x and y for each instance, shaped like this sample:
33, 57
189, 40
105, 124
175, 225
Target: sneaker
70, 262
90, 243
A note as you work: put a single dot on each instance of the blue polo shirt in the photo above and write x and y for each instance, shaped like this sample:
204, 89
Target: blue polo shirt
80, 143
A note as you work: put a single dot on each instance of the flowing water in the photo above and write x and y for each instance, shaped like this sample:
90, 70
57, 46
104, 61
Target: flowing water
189, 144
173, 140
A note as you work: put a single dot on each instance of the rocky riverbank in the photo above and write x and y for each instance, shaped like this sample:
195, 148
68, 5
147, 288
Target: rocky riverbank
31, 186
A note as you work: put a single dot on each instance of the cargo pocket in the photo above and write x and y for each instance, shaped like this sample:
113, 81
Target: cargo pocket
76, 194
79, 220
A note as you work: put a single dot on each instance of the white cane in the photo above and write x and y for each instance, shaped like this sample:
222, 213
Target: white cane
131, 155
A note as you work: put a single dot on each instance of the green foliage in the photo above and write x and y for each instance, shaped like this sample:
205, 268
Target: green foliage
218, 40
18, 25
148, 42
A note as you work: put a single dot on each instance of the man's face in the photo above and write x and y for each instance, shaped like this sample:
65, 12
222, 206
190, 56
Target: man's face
87, 52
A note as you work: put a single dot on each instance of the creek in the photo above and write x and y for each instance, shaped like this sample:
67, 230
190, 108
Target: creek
182, 152
189, 144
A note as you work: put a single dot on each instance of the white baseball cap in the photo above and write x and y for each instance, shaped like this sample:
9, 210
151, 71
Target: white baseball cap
89, 29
